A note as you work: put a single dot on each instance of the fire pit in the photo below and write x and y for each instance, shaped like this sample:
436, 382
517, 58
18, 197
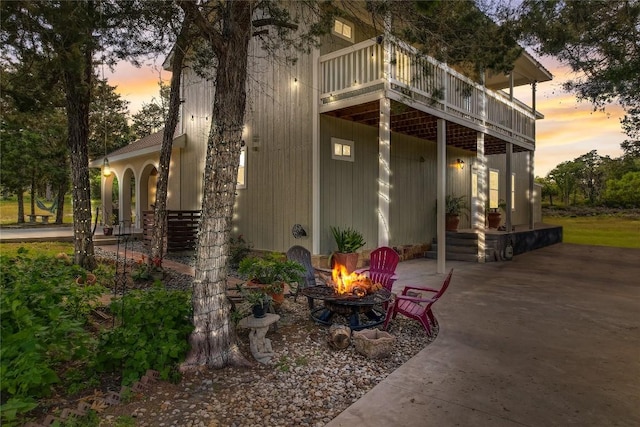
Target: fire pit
352, 296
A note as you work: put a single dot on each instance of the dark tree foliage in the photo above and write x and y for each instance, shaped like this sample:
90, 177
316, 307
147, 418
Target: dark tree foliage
70, 37
108, 127
152, 115
459, 33
598, 39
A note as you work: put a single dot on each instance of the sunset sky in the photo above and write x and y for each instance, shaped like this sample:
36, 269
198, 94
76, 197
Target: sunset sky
568, 130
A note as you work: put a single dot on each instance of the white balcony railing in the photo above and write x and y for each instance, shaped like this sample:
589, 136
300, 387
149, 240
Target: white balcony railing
360, 69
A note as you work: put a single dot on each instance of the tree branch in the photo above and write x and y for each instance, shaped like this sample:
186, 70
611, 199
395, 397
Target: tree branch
275, 22
204, 25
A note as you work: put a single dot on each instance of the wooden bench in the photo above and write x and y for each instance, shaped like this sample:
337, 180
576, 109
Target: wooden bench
44, 218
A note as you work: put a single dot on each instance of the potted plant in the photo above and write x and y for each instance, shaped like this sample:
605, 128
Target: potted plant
86, 278
494, 216
349, 241
454, 207
270, 273
147, 270
107, 229
259, 302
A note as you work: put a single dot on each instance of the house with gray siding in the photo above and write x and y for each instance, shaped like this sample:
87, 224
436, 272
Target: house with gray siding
363, 132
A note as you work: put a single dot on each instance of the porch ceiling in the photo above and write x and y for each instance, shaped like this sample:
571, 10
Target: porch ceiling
409, 121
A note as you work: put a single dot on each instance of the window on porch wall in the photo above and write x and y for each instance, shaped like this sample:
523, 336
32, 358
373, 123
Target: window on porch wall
494, 187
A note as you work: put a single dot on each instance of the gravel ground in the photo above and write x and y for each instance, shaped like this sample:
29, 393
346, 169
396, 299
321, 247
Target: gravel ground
306, 383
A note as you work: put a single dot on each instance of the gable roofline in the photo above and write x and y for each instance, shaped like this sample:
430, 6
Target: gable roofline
143, 146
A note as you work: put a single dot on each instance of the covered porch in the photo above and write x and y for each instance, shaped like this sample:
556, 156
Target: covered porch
386, 84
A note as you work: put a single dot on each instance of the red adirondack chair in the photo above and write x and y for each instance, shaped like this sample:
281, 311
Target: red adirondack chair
382, 266
417, 308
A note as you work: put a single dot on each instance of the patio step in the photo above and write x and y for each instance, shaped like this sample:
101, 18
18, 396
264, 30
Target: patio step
462, 247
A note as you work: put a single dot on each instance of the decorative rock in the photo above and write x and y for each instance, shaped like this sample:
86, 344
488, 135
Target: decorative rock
373, 343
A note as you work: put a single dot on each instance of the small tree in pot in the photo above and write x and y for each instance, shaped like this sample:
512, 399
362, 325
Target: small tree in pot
454, 207
270, 273
349, 241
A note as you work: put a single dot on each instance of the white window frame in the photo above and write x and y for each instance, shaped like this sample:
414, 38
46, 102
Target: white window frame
340, 32
342, 149
494, 188
241, 180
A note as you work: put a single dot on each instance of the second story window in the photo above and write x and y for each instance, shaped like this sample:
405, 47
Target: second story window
343, 29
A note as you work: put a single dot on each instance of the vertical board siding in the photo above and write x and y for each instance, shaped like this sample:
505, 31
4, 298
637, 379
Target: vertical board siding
196, 111
348, 196
413, 190
278, 141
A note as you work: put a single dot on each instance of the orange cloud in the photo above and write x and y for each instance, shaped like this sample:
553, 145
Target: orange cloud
137, 85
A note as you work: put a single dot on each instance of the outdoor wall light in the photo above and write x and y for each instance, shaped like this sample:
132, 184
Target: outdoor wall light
106, 170
460, 164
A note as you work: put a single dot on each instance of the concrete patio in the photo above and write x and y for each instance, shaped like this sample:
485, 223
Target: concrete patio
550, 338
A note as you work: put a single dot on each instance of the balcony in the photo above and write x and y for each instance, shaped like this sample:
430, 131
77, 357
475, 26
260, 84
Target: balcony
352, 81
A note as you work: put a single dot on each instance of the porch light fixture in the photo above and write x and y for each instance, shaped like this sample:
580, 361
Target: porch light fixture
460, 164
106, 170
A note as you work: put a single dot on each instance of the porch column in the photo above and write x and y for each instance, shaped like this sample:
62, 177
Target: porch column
384, 171
481, 197
441, 188
315, 156
508, 189
531, 160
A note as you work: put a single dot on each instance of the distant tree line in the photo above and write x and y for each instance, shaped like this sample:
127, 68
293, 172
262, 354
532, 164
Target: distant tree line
595, 180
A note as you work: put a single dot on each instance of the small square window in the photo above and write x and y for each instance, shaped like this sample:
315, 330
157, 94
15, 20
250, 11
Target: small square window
342, 149
343, 29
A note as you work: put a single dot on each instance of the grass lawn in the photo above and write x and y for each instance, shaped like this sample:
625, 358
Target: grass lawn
37, 248
9, 210
601, 230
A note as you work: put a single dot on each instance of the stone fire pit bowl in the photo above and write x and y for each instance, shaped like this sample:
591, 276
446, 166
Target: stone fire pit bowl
373, 343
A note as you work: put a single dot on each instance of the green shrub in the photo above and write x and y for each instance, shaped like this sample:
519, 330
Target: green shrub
238, 250
152, 332
43, 313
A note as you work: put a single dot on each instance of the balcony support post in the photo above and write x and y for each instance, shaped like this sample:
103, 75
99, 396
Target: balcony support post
531, 160
480, 166
384, 172
508, 186
315, 156
441, 187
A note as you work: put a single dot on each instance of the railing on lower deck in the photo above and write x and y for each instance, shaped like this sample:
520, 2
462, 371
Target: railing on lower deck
367, 66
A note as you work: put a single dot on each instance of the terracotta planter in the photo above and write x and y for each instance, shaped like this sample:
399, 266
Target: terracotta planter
277, 298
493, 219
350, 260
90, 279
452, 222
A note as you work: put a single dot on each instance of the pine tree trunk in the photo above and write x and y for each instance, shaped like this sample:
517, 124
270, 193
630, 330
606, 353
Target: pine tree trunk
20, 194
160, 211
77, 81
213, 341
62, 191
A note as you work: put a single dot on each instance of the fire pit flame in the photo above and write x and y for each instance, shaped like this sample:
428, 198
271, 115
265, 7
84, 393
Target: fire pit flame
354, 284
